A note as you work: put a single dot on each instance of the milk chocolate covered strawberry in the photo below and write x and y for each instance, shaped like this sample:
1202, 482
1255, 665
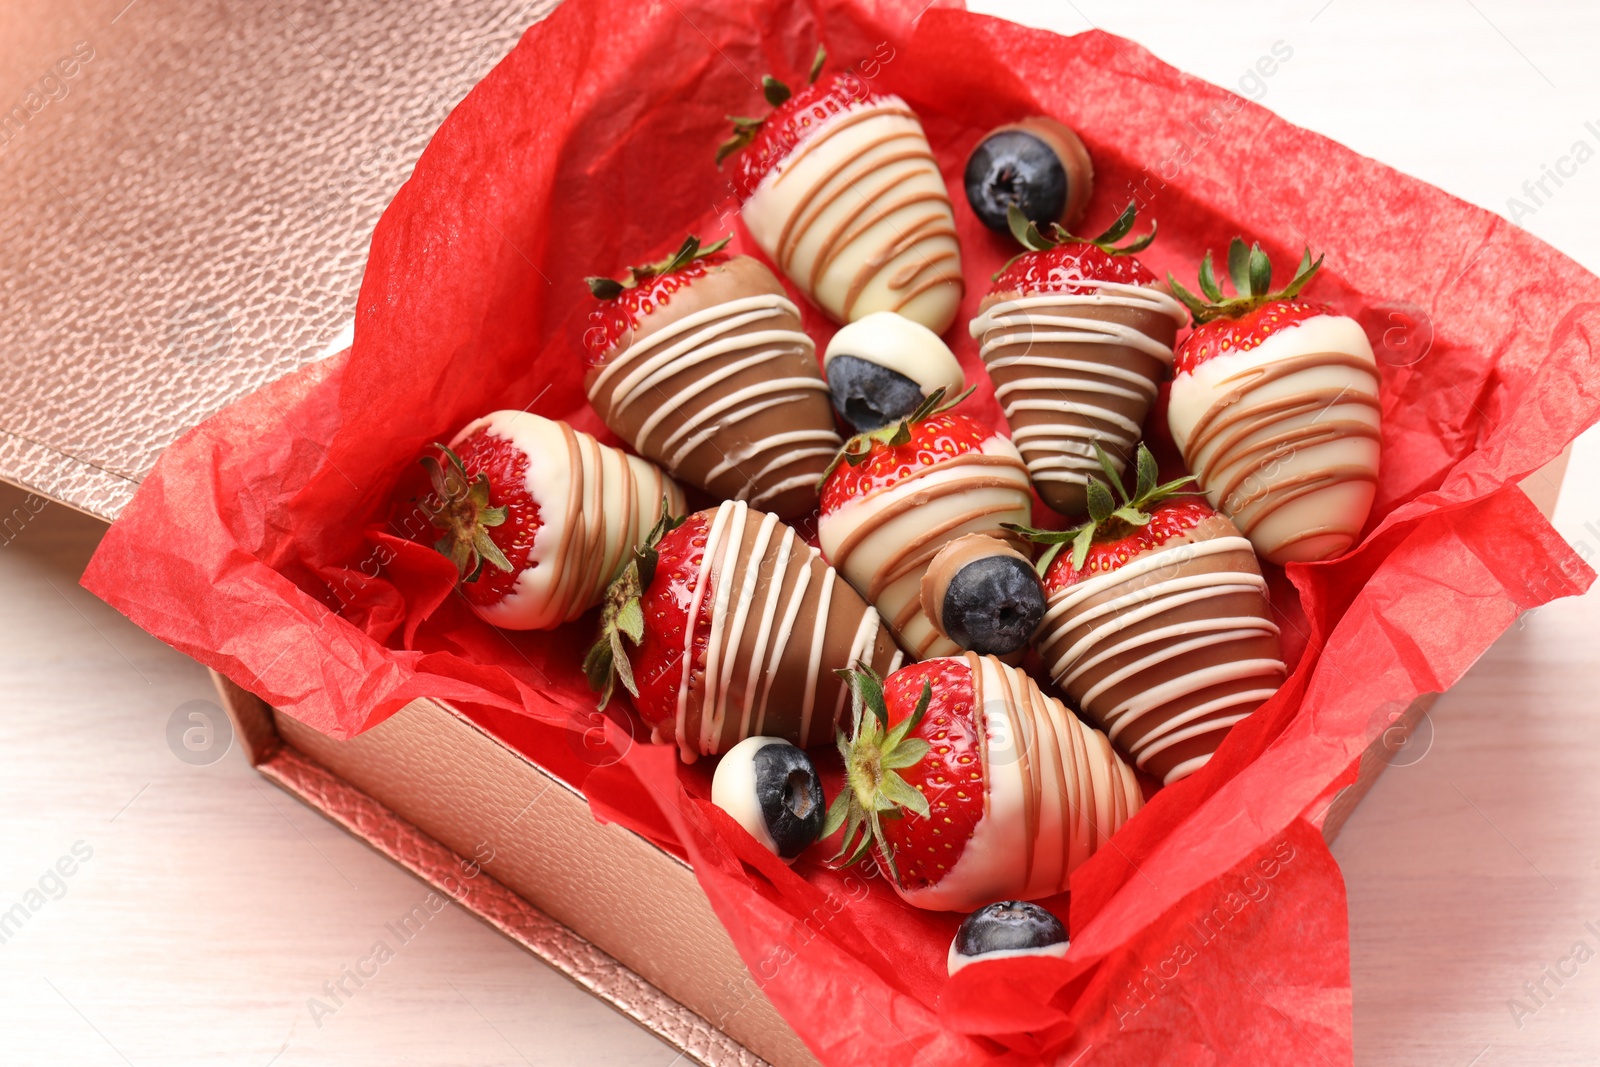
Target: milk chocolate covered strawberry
539, 517
972, 786
1157, 624
840, 188
727, 625
1076, 335
897, 495
1275, 406
700, 364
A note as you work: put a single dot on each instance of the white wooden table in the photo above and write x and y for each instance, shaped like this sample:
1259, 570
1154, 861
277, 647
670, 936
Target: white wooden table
211, 908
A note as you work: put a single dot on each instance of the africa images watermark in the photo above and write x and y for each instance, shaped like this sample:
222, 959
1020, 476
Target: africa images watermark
1537, 192
1537, 993
353, 977
52, 87
1253, 85
51, 885
1205, 930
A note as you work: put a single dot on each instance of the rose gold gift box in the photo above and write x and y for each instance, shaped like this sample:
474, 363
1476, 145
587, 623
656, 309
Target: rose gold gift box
191, 276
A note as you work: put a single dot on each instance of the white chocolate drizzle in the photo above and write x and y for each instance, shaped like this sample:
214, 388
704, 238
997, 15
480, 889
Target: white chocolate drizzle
1134, 627
858, 217
710, 340
1012, 332
748, 568
1284, 436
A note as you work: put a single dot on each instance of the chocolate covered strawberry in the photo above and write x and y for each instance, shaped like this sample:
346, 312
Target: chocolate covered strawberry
699, 363
1076, 335
971, 786
538, 517
726, 625
1157, 624
894, 497
839, 187
1275, 407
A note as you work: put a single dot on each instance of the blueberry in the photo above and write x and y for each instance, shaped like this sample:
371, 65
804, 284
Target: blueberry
993, 605
1016, 167
1009, 928
868, 396
771, 788
880, 367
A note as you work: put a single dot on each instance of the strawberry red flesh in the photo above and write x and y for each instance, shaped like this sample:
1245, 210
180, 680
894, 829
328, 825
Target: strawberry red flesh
1116, 541
658, 660
950, 775
615, 317
507, 468
1223, 336
1064, 268
933, 440
792, 122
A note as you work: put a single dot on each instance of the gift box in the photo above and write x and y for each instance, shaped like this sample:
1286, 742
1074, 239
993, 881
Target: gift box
1215, 929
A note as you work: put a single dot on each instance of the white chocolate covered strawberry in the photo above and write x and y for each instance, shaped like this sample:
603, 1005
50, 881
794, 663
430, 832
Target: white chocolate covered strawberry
897, 495
972, 786
1275, 408
539, 517
841, 189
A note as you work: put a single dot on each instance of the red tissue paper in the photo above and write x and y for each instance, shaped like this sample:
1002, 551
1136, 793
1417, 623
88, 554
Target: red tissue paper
265, 542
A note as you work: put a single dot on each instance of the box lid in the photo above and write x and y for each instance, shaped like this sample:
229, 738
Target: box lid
189, 195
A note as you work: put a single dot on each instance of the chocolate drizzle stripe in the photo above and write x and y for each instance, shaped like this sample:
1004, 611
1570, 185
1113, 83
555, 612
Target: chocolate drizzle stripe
797, 598
1062, 451
849, 228
875, 173
817, 637
1125, 631
701, 352
1234, 442
775, 587
752, 593
761, 580
845, 176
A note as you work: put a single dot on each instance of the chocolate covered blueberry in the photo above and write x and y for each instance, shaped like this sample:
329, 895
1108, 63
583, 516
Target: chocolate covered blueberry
881, 368
771, 788
984, 595
1037, 165
1008, 928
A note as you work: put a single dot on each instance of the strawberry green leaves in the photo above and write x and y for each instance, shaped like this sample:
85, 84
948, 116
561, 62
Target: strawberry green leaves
1111, 509
622, 616
874, 754
1250, 270
687, 253
858, 449
1031, 238
776, 94
460, 507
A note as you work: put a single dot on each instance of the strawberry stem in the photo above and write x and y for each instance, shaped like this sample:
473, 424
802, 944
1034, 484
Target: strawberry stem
1106, 515
776, 93
874, 754
1250, 270
460, 507
1028, 235
858, 449
622, 616
687, 253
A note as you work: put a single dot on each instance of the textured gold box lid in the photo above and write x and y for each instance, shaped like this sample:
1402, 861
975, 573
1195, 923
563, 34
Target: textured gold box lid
188, 195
